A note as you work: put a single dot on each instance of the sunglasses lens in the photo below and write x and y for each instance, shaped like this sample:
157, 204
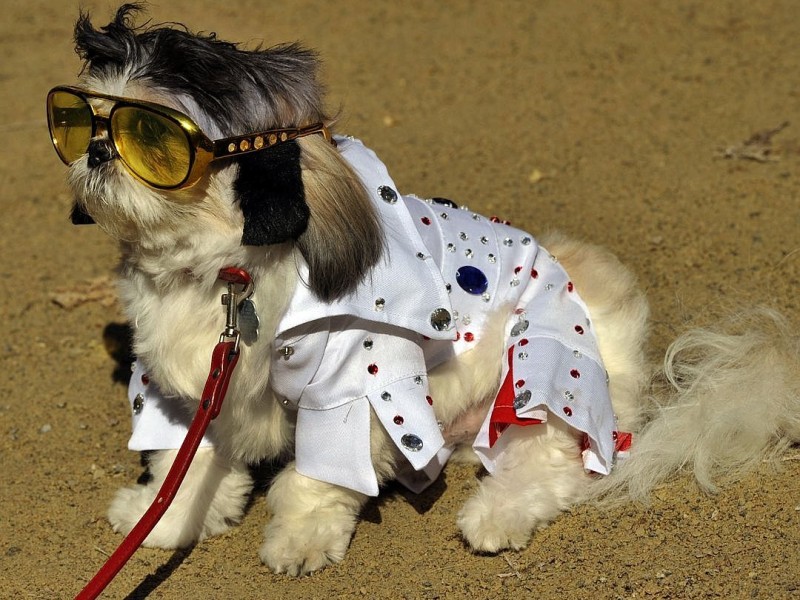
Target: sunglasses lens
153, 146
70, 121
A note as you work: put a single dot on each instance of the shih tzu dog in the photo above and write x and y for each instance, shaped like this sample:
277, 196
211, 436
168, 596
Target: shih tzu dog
385, 332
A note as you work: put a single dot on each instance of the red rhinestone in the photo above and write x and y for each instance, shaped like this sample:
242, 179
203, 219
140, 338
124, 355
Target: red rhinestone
429, 399
615, 436
145, 379
570, 287
517, 270
523, 342
458, 335
534, 274
494, 219
425, 220
568, 411
398, 420
520, 383
506, 222
468, 337
372, 369
575, 373
579, 329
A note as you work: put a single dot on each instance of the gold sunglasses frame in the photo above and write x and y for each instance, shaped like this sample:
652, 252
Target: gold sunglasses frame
202, 149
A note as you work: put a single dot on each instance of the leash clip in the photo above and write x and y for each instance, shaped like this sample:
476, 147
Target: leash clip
233, 299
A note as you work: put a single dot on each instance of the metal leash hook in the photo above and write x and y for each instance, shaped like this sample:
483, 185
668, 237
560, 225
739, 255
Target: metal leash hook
223, 361
233, 299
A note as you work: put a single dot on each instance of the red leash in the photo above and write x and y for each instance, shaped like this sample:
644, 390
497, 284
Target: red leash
223, 361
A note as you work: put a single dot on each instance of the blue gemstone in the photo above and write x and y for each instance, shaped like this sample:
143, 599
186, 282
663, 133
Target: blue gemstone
472, 280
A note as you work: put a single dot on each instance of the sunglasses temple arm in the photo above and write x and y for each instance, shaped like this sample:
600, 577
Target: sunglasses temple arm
259, 141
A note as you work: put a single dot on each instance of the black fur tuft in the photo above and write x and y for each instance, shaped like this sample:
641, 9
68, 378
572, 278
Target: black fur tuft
270, 191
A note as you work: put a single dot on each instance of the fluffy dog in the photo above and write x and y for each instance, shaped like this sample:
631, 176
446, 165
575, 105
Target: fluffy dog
391, 330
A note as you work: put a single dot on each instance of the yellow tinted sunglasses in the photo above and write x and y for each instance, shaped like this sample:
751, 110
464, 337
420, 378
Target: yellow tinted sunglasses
159, 145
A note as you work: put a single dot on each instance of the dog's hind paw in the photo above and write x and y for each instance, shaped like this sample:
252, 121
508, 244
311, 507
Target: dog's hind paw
489, 530
299, 546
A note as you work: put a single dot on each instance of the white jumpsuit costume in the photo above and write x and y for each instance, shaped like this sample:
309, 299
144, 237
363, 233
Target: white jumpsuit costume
444, 271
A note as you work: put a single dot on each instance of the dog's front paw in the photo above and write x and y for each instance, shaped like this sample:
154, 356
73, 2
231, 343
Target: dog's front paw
210, 500
298, 546
312, 523
130, 504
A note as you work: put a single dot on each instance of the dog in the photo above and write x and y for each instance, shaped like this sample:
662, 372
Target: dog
385, 332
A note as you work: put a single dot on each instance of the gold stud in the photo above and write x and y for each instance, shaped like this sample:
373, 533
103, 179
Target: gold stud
284, 136
273, 139
244, 145
258, 143
231, 147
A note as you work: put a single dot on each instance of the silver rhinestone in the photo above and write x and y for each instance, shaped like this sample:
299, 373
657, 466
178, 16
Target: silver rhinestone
411, 442
418, 379
468, 253
138, 403
444, 216
486, 296
548, 287
451, 247
420, 256
463, 235
476, 217
285, 402
455, 315
522, 399
448, 287
522, 355
386, 396
368, 344
387, 194
484, 239
519, 327
514, 282
466, 319
441, 425
553, 258
380, 303
525, 241
492, 258
508, 242
286, 352
441, 319
133, 366
577, 354
568, 395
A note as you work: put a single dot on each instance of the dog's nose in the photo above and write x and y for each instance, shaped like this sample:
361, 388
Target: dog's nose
101, 151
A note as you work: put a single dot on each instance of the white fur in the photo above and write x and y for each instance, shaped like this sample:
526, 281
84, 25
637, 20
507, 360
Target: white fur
736, 398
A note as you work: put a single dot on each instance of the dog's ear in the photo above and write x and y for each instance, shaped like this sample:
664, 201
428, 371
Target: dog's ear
344, 238
78, 216
304, 192
270, 193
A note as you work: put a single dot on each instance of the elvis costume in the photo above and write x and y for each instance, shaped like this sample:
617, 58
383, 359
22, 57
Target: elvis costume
444, 271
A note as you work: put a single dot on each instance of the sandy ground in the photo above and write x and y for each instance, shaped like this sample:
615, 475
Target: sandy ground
608, 120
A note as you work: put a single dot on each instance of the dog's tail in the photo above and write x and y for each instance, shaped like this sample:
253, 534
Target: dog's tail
725, 401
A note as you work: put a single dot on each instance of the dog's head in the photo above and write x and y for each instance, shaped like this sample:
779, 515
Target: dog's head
287, 185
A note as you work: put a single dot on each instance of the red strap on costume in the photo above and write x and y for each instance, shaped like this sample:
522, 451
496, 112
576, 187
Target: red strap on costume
223, 361
504, 413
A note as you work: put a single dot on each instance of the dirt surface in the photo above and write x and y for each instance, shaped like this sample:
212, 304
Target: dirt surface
621, 122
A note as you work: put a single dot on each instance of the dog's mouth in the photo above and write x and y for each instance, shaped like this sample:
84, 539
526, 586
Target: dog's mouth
105, 195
